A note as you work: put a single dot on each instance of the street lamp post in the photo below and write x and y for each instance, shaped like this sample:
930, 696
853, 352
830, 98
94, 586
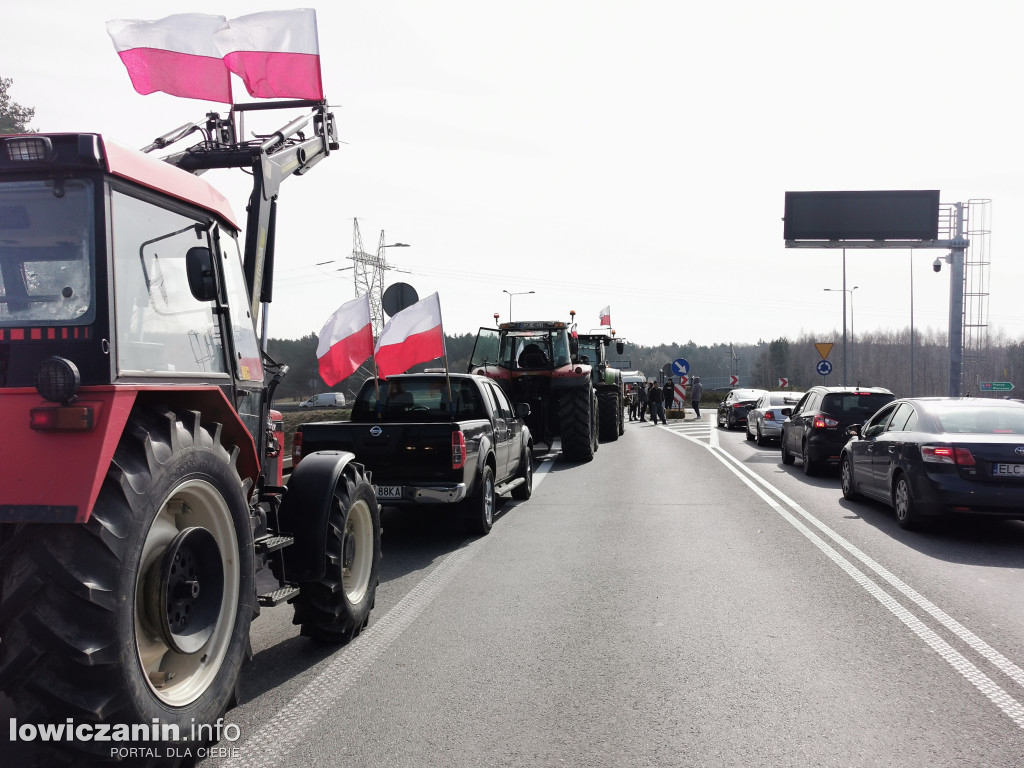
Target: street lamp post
846, 291
510, 295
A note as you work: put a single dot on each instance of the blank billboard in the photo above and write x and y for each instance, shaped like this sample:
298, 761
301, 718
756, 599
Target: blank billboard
865, 215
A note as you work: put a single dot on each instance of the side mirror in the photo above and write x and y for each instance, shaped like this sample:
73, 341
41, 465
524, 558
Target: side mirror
522, 410
620, 347
202, 279
787, 411
853, 430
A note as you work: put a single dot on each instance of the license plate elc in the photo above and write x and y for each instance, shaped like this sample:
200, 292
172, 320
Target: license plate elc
388, 491
1008, 470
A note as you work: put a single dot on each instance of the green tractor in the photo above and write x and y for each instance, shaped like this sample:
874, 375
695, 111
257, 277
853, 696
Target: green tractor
533, 363
591, 348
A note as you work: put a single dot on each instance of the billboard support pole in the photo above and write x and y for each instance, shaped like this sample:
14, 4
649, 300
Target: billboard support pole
956, 306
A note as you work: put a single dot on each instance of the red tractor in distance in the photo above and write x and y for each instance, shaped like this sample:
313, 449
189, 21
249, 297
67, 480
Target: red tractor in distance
533, 361
142, 491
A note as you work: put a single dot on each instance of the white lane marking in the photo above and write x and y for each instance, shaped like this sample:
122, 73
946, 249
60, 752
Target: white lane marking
321, 697
318, 698
1001, 662
1009, 706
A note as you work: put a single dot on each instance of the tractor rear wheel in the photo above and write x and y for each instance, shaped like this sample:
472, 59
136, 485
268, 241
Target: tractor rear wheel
337, 608
577, 417
610, 416
142, 614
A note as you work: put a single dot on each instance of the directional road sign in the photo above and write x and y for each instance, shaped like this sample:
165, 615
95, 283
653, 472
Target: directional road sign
783, 382
680, 367
824, 367
734, 380
997, 386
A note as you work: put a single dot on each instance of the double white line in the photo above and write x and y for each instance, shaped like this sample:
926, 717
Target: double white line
803, 521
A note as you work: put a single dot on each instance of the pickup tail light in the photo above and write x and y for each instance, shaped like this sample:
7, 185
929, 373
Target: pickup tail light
296, 449
458, 449
946, 454
824, 422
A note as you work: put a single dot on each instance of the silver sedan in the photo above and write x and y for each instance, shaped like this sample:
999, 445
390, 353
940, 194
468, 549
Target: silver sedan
764, 420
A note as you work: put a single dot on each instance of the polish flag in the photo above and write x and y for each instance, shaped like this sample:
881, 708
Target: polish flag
276, 53
412, 336
346, 340
606, 315
177, 55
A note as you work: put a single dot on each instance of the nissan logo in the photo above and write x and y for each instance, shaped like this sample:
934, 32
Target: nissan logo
375, 431
1019, 450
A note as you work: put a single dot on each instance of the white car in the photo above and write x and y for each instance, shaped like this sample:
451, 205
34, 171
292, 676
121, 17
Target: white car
764, 420
324, 400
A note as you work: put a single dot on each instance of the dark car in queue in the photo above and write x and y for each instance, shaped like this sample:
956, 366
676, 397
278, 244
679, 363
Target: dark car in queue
732, 411
926, 457
815, 431
764, 420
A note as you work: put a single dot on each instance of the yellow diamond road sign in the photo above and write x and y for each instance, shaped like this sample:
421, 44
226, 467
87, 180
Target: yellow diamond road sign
823, 349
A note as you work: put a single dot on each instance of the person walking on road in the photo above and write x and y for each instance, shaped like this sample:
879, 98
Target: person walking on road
670, 393
641, 392
695, 393
656, 398
634, 402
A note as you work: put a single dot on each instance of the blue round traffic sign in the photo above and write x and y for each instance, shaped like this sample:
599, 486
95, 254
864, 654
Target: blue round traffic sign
680, 367
824, 367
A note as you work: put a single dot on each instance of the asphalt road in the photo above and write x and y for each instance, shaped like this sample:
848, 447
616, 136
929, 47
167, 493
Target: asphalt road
682, 600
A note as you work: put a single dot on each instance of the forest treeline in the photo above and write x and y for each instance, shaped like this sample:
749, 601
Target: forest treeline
881, 359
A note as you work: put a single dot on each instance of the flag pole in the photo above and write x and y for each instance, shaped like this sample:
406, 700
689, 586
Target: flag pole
373, 357
447, 374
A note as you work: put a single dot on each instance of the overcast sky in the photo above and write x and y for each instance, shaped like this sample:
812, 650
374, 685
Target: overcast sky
631, 154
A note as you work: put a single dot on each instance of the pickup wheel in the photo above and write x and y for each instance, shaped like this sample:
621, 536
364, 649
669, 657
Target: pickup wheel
142, 613
478, 510
337, 608
525, 491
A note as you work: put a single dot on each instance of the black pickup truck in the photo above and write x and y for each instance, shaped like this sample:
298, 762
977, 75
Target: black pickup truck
427, 438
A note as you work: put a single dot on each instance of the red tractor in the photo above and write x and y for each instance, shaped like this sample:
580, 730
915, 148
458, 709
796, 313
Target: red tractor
534, 363
142, 490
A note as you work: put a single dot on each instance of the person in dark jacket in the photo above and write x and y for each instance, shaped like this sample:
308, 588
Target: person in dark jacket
656, 398
641, 392
696, 390
670, 393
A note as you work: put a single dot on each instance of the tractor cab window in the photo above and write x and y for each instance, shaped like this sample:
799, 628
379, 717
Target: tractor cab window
248, 362
161, 327
46, 252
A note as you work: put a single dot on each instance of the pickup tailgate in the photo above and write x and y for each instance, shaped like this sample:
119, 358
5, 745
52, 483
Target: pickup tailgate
396, 454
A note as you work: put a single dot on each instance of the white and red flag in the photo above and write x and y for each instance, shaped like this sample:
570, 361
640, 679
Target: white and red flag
346, 340
276, 53
414, 335
177, 55
606, 315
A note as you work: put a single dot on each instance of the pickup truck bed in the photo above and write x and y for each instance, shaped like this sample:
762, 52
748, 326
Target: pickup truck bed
425, 444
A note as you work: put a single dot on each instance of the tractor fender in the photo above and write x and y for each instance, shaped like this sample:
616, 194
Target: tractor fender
305, 510
84, 457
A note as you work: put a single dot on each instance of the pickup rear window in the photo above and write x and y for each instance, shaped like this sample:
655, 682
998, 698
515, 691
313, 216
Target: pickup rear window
419, 399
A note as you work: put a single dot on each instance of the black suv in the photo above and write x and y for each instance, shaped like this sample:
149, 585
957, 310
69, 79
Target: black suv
816, 429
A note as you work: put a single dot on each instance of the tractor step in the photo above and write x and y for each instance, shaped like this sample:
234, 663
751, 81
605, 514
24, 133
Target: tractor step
278, 596
272, 543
